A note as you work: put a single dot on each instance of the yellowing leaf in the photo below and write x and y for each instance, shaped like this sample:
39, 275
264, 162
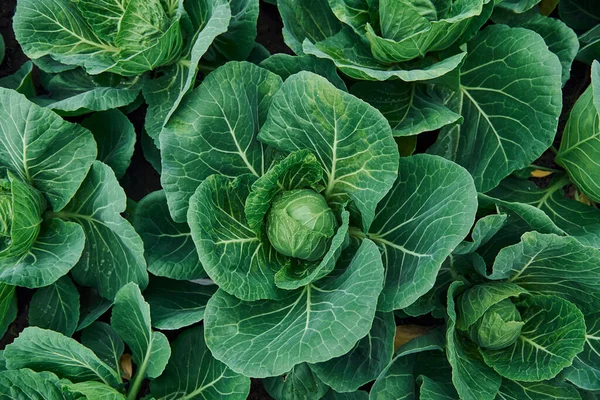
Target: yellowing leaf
126, 366
582, 198
406, 333
547, 6
538, 173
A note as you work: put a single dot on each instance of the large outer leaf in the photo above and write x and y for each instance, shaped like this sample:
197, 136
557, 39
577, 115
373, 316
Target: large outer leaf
56, 28
176, 304
554, 332
554, 265
236, 258
580, 147
56, 307
114, 254
428, 212
168, 245
510, 120
408, 107
585, 371
115, 136
26, 384
131, 320
45, 350
365, 361
209, 18
192, 373
44, 150
472, 378
561, 39
316, 323
351, 139
214, 131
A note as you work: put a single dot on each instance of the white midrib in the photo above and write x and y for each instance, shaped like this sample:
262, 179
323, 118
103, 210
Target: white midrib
485, 116
393, 245
539, 347
331, 183
237, 145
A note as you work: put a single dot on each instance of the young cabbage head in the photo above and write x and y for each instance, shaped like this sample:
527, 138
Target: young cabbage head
499, 327
300, 224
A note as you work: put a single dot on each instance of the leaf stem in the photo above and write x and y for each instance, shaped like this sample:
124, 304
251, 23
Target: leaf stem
136, 385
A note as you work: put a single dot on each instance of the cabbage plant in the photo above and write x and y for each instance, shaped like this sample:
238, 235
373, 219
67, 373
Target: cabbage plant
301, 209
384, 39
59, 208
36, 362
101, 55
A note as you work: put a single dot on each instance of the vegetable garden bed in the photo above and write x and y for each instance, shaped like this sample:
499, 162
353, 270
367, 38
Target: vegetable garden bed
365, 199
